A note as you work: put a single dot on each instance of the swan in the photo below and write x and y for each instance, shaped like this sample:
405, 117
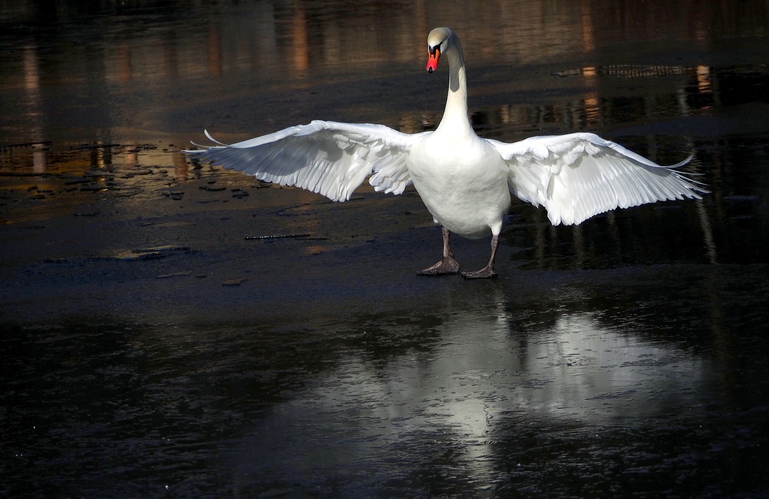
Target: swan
464, 181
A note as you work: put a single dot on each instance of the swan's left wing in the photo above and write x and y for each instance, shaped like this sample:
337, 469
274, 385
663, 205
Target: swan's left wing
579, 175
326, 157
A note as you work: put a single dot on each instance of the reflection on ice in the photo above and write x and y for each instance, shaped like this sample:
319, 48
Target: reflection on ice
458, 395
599, 375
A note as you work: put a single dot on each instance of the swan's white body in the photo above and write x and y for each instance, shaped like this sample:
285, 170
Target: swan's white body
465, 199
464, 181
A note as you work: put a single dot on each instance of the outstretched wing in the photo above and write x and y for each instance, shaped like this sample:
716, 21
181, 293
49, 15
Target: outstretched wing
579, 175
325, 157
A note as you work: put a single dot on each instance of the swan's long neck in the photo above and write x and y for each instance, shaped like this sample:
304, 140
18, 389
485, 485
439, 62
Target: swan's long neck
455, 115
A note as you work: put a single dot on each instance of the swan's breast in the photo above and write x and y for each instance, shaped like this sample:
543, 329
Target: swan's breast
463, 184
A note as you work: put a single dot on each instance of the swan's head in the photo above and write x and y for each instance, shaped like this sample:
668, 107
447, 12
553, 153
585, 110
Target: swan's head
438, 42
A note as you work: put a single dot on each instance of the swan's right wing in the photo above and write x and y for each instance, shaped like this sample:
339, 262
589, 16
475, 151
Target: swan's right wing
326, 157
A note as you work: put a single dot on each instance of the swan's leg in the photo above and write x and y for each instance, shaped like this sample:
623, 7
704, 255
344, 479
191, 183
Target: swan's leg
486, 272
447, 265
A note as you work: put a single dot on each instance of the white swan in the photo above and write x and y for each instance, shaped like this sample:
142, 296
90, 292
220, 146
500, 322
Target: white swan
464, 181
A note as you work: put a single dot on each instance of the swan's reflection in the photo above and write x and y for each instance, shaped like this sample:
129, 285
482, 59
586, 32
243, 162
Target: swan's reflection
448, 403
596, 375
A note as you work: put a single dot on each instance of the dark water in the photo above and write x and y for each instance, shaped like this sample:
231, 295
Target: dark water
177, 330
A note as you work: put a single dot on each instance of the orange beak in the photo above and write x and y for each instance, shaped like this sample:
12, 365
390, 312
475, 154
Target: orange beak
432, 59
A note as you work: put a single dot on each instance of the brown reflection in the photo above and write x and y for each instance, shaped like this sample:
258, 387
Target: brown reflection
592, 112
410, 124
125, 63
101, 157
588, 35
131, 153
299, 47
39, 158
703, 80
31, 73
215, 51
171, 57
181, 167
34, 112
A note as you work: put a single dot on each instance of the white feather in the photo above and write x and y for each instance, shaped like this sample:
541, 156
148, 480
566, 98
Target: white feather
326, 157
580, 175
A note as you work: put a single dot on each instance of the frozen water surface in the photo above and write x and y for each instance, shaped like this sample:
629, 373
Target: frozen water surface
175, 329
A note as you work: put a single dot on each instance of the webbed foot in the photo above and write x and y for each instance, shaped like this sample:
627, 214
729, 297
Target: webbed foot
447, 266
